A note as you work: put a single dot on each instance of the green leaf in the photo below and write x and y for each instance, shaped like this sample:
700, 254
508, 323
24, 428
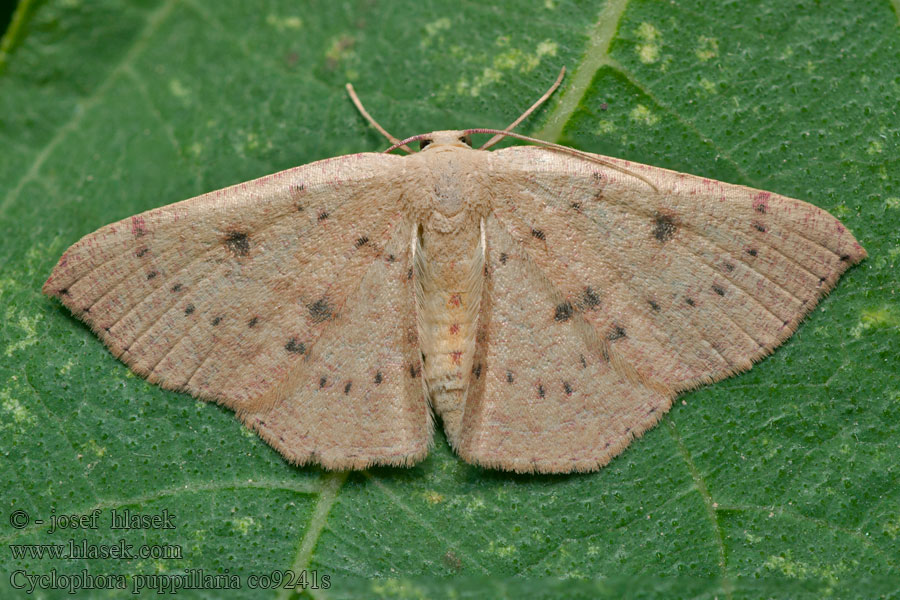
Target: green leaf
782, 482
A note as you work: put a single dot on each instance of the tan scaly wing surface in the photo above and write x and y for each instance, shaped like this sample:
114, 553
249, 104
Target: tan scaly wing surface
672, 287
543, 397
227, 296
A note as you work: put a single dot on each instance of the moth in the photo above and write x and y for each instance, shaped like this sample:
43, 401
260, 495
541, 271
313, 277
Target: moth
545, 303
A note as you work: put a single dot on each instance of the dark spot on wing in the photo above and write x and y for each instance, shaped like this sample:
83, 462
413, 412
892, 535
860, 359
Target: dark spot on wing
653, 305
216, 321
391, 258
347, 387
177, 287
752, 252
503, 258
616, 334
63, 292
567, 388
142, 252
664, 228
362, 241
413, 371
760, 207
583, 362
541, 391
821, 280
151, 275
563, 311
296, 190
718, 290
590, 298
597, 176
759, 226
189, 309
509, 377
322, 381
477, 371
295, 346
252, 322
320, 310
538, 234
323, 215
378, 377
729, 267
575, 205
409, 274
845, 257
690, 301
238, 243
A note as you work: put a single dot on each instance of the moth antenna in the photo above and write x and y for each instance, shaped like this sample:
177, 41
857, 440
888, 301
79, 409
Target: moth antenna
567, 150
356, 101
525, 114
402, 143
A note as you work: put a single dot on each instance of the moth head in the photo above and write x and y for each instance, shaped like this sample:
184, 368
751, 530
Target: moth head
460, 139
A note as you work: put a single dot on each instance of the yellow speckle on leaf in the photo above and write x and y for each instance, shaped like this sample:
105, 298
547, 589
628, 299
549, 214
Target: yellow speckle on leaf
875, 147
340, 51
892, 202
283, 23
433, 497
642, 114
707, 48
432, 30
509, 59
547, 48
605, 127
648, 51
436, 27
403, 590
96, 448
549, 4
252, 142
505, 550
475, 504
14, 415
892, 526
28, 330
245, 525
841, 211
882, 317
178, 90
708, 86
796, 569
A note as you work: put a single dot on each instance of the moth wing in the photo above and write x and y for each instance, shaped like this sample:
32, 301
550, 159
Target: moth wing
542, 397
357, 398
226, 296
607, 294
688, 280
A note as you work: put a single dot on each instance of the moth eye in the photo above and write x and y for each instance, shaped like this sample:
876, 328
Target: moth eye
467, 140
424, 144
